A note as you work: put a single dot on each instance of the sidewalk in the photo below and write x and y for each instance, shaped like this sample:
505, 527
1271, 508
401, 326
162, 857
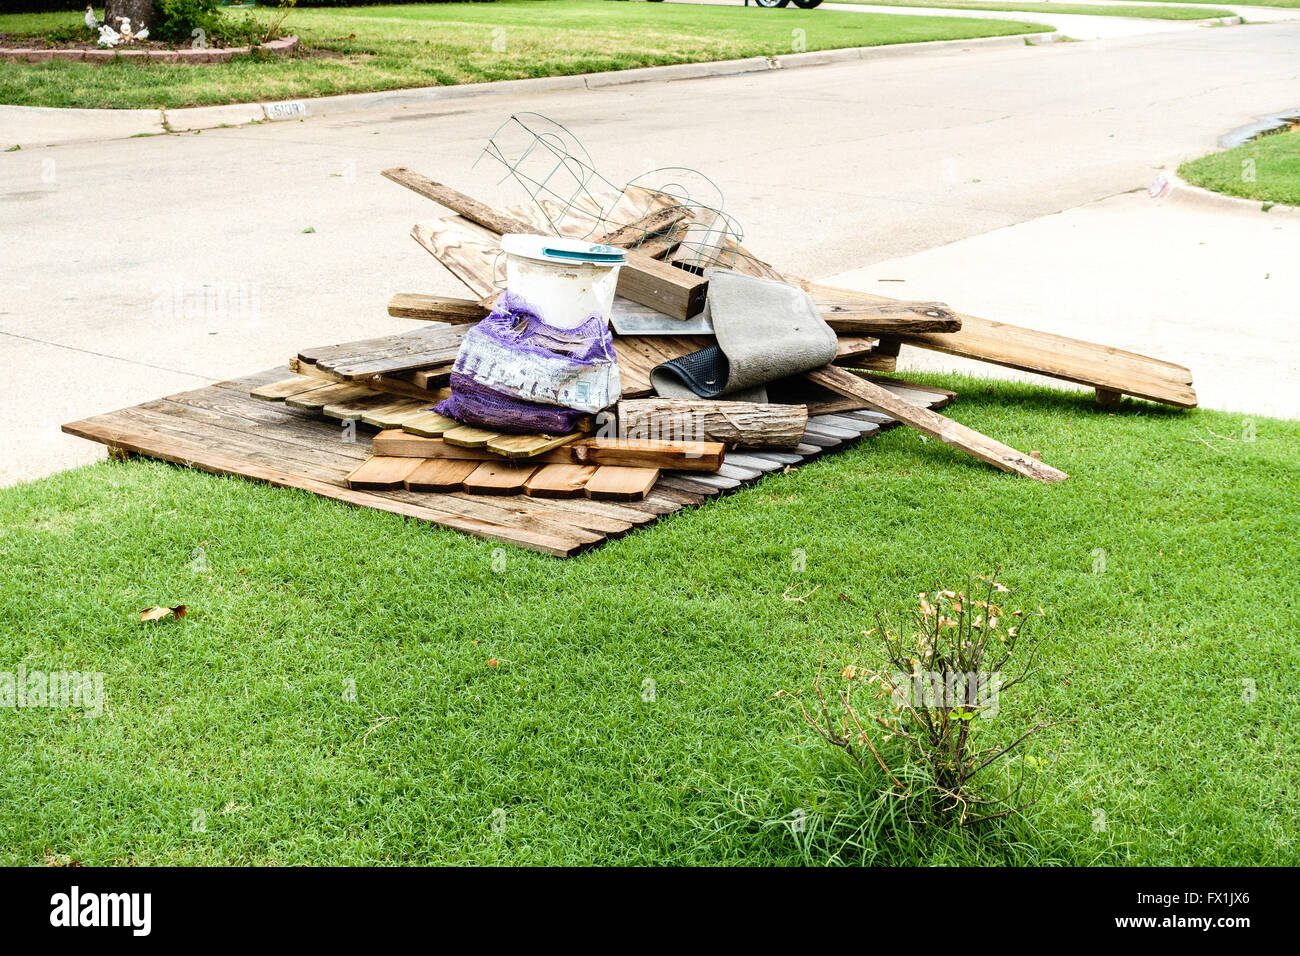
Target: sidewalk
1216, 287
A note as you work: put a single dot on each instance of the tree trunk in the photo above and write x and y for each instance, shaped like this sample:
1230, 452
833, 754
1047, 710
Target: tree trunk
141, 13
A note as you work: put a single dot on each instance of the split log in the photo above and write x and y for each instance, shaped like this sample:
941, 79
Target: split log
642, 279
945, 429
738, 424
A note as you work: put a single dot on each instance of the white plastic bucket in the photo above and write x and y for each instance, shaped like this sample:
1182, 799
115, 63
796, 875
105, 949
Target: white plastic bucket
565, 280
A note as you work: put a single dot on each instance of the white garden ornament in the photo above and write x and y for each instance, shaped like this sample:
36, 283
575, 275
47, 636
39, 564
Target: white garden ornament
111, 38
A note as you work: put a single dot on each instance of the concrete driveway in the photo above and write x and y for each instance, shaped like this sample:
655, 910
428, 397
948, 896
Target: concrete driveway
138, 267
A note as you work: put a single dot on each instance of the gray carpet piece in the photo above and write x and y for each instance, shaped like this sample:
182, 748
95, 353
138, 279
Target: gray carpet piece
766, 330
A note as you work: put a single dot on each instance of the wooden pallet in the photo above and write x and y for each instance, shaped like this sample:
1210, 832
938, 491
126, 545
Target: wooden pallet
223, 430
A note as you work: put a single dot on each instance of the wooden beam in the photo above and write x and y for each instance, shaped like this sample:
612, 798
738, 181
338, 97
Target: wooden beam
952, 433
1057, 356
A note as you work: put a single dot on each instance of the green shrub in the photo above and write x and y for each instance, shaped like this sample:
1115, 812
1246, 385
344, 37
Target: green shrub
178, 19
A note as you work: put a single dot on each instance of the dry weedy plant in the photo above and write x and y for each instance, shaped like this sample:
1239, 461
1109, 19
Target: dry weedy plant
926, 721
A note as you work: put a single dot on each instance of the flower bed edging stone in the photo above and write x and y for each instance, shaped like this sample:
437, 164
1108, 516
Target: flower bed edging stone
279, 47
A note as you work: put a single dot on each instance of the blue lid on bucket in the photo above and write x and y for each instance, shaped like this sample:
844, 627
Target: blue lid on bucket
559, 249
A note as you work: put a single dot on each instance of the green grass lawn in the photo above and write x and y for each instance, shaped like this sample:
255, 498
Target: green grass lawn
381, 48
243, 709
1154, 12
1267, 169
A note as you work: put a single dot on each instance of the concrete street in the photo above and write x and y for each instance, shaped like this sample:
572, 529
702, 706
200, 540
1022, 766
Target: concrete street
930, 167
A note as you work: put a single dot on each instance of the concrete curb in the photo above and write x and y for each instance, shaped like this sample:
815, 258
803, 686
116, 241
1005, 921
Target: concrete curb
1184, 193
50, 126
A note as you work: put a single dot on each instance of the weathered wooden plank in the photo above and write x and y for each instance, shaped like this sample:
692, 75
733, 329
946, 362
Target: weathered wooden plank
847, 311
318, 398
353, 409
497, 478
429, 425
544, 513
394, 385
378, 473
467, 436
279, 391
528, 446
617, 483
648, 453
949, 432
114, 430
435, 308
758, 463
698, 482
558, 481
469, 252
438, 474
396, 414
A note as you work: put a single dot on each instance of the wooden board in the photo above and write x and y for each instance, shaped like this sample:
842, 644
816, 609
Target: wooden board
396, 414
222, 430
352, 409
952, 433
438, 474
617, 483
467, 436
640, 452
378, 473
317, 398
1072, 360
429, 424
528, 446
470, 252
398, 385
847, 311
435, 308
558, 481
402, 444
279, 391
497, 478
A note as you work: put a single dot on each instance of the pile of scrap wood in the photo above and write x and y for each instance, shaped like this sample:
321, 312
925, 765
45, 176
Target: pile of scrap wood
647, 455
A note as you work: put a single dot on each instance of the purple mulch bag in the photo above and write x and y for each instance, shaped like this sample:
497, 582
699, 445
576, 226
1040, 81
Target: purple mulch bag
513, 371
476, 404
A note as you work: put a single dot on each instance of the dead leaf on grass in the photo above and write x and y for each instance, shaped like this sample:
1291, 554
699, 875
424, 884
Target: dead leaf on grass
158, 613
